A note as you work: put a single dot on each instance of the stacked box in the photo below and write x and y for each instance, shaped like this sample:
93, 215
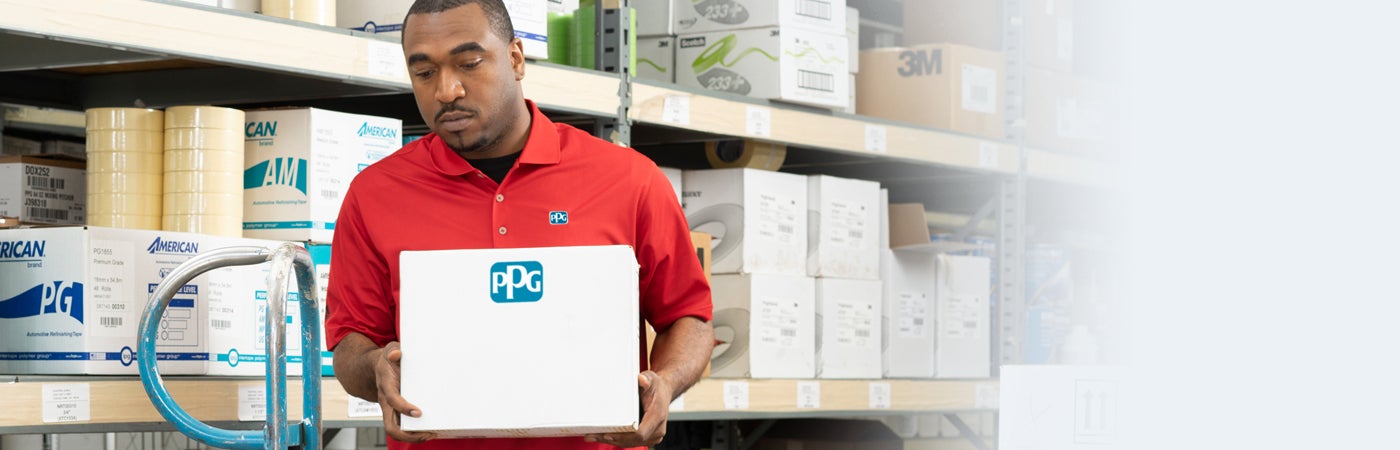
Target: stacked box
42, 191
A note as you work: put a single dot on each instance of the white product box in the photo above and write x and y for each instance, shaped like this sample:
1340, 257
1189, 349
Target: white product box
655, 18
64, 148
766, 325
298, 164
848, 328
758, 218
964, 341
853, 39
910, 293
13, 146
43, 191
675, 176
386, 16
656, 58
581, 307
843, 236
824, 16
321, 259
1065, 407
785, 64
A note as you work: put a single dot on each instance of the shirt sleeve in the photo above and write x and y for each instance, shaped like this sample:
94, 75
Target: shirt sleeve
359, 297
672, 283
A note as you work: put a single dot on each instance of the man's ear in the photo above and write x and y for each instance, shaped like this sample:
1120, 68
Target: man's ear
517, 58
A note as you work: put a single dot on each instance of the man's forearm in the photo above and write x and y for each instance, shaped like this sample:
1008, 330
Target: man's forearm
354, 366
681, 352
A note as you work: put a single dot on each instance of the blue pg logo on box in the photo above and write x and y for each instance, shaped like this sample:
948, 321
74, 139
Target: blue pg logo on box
517, 282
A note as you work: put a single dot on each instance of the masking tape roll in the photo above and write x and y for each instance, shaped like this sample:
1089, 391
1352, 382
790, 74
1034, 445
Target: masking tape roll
145, 141
314, 11
124, 221
203, 182
124, 183
196, 160
124, 204
125, 162
204, 224
203, 117
125, 119
745, 153
211, 204
203, 139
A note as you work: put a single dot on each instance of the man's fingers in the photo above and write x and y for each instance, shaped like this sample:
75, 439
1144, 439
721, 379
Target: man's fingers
392, 428
624, 439
394, 355
644, 380
397, 403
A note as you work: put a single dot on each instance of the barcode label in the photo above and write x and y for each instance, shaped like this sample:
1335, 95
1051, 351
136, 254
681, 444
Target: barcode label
785, 229
980, 94
814, 8
863, 333
38, 182
856, 234
816, 81
110, 321
329, 194
33, 213
787, 332
970, 324
221, 324
919, 321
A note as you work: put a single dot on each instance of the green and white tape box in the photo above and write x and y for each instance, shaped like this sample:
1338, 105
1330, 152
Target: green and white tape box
704, 16
656, 58
786, 64
386, 17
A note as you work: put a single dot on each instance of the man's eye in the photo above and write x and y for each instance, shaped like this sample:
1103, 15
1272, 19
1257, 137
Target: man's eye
424, 74
472, 65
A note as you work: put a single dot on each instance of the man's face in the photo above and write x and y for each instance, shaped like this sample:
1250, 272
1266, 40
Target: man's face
466, 79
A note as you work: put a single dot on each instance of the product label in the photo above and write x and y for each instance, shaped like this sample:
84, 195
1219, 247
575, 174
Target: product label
879, 396
809, 394
778, 321
676, 109
876, 137
736, 395
115, 313
252, 402
358, 407
759, 121
67, 402
979, 89
855, 323
959, 316
777, 218
913, 313
844, 225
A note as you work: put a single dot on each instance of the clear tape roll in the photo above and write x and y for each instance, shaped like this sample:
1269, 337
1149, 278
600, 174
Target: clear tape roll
198, 160
125, 162
745, 153
203, 182
314, 11
211, 204
145, 141
125, 119
124, 183
203, 117
124, 204
203, 139
151, 222
204, 224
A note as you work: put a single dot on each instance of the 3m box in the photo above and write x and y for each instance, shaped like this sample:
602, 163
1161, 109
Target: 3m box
655, 18
758, 218
1049, 28
843, 238
656, 58
848, 328
766, 326
529, 312
386, 16
964, 317
703, 16
298, 164
910, 290
14, 146
944, 86
1069, 113
787, 64
43, 191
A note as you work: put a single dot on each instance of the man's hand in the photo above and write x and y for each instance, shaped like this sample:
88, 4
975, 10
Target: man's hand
656, 395
386, 376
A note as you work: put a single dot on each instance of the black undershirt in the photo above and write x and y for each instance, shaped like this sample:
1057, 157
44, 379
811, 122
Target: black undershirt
496, 168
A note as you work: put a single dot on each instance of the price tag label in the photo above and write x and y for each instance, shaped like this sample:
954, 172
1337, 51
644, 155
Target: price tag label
809, 394
876, 138
879, 396
67, 402
676, 109
678, 404
736, 395
386, 60
988, 396
988, 155
252, 403
759, 121
359, 407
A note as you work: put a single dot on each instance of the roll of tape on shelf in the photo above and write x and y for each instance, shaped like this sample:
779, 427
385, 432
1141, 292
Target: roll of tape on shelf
314, 11
221, 204
746, 153
251, 6
195, 160
204, 139
124, 183
204, 224
124, 221
124, 204
125, 119
125, 162
203, 182
145, 141
203, 117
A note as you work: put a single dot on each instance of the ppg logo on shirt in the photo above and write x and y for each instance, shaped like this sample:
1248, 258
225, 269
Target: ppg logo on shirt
558, 217
517, 282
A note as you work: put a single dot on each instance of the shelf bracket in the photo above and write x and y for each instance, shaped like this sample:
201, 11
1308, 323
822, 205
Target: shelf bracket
613, 53
966, 431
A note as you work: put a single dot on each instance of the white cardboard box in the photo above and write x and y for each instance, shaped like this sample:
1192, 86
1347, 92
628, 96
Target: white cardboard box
674, 176
766, 325
43, 191
386, 16
853, 39
909, 316
964, 317
655, 18
656, 58
758, 218
824, 16
848, 328
14, 146
298, 164
787, 64
1064, 407
843, 238
528, 313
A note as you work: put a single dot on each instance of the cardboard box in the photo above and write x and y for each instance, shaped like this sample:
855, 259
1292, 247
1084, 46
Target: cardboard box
910, 290
964, 317
298, 164
655, 18
321, 259
386, 16
822, 16
853, 39
843, 236
1065, 407
43, 191
581, 307
787, 64
1065, 112
766, 326
1049, 28
848, 328
14, 146
951, 87
758, 218
68, 149
656, 58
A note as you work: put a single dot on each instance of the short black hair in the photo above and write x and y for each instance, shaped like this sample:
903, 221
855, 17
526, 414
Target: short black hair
495, 10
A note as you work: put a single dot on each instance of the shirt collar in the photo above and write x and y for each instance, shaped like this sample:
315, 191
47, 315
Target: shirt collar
541, 147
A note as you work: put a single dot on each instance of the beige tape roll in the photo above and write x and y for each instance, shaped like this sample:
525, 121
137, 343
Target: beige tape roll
147, 141
203, 182
203, 117
197, 160
745, 153
151, 222
125, 162
124, 204
231, 226
125, 119
314, 11
124, 183
211, 204
203, 139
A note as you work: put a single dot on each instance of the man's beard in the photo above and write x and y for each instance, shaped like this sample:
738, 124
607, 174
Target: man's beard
466, 148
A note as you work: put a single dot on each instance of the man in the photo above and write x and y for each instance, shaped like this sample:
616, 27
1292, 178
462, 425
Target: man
488, 177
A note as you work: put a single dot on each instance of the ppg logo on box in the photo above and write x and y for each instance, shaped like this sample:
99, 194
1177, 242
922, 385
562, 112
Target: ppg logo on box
517, 282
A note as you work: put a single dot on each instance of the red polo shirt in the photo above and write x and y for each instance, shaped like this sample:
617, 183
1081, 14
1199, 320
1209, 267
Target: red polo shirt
426, 197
